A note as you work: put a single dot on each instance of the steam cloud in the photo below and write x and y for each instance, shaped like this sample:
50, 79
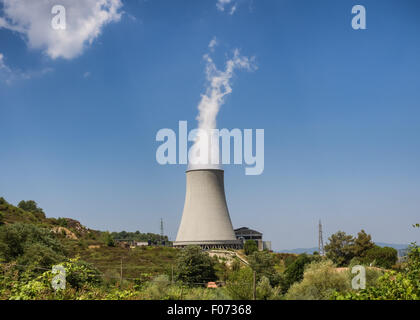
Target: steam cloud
205, 152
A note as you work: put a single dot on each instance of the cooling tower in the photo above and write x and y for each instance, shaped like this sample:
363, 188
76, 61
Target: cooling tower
205, 219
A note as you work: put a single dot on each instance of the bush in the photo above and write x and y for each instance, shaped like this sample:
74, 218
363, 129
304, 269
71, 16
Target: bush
80, 278
62, 222
158, 288
29, 244
264, 290
108, 239
239, 284
320, 281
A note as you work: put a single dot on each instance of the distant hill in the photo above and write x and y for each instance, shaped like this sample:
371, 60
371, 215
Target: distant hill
398, 247
299, 250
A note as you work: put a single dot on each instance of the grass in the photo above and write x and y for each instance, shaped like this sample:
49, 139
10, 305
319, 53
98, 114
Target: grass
139, 262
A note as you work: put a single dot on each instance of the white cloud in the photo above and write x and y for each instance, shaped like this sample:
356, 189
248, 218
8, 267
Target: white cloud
213, 43
86, 74
2, 64
85, 20
223, 5
5, 72
9, 75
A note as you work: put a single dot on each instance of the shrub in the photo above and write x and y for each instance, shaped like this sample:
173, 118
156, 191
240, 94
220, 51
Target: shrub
239, 285
264, 290
29, 244
62, 222
80, 278
158, 288
320, 281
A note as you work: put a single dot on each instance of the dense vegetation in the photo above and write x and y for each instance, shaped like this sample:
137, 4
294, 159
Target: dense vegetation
138, 236
97, 266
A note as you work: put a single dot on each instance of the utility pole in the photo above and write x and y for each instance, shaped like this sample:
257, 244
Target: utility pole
254, 287
320, 240
161, 230
121, 273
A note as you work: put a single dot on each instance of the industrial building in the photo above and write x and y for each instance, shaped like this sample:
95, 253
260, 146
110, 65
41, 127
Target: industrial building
243, 234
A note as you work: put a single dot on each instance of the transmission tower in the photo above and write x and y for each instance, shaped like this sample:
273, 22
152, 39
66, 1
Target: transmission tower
320, 240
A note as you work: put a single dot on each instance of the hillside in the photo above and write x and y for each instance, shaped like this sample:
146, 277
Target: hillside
96, 247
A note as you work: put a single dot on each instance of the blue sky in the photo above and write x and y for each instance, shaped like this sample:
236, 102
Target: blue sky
340, 109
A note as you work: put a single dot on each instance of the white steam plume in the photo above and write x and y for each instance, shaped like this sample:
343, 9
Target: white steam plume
203, 153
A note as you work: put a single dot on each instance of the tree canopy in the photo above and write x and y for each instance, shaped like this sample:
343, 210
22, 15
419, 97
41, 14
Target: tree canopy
250, 247
340, 248
31, 206
194, 266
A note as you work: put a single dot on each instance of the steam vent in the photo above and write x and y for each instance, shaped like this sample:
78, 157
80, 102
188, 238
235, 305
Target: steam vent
205, 219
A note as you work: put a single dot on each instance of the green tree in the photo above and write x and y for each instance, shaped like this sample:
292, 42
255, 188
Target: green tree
32, 206
362, 244
250, 247
263, 264
340, 248
265, 291
194, 266
239, 284
294, 271
108, 239
384, 257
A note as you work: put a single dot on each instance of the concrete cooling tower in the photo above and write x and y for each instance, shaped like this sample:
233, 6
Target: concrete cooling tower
205, 219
